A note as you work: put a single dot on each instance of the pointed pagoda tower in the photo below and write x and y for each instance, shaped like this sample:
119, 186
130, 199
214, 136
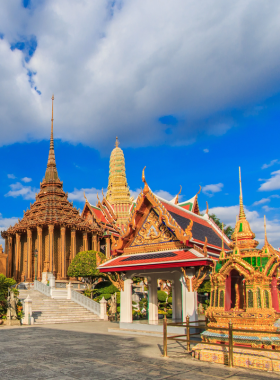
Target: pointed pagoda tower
51, 233
118, 194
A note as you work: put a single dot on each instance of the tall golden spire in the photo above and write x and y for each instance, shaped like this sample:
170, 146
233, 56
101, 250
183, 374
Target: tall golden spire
265, 235
118, 194
243, 235
51, 172
241, 207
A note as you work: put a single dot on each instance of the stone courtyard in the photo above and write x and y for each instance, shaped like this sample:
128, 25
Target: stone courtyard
87, 351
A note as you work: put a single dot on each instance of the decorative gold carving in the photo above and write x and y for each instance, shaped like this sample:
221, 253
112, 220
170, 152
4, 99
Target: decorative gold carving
153, 231
205, 246
197, 280
187, 279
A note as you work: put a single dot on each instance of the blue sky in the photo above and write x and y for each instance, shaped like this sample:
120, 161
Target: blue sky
192, 92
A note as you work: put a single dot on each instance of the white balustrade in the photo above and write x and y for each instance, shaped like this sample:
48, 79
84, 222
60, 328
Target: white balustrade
85, 302
45, 289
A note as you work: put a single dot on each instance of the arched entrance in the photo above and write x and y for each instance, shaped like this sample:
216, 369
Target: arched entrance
235, 291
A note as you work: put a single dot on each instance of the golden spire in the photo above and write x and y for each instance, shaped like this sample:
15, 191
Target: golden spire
222, 236
177, 196
243, 235
118, 194
241, 207
265, 235
51, 172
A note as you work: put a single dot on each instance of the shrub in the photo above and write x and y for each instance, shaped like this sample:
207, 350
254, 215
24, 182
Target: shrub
169, 300
169, 311
161, 296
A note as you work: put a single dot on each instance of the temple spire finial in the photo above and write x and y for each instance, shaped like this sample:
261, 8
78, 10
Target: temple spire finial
117, 143
241, 206
51, 172
265, 234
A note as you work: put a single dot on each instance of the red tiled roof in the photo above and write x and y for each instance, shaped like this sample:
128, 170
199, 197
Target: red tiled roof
174, 258
99, 215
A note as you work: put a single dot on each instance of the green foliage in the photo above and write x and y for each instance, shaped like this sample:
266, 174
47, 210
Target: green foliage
84, 265
169, 300
161, 296
5, 283
136, 280
228, 230
169, 311
205, 287
107, 289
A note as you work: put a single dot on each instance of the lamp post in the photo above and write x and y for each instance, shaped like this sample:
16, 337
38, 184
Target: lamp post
36, 256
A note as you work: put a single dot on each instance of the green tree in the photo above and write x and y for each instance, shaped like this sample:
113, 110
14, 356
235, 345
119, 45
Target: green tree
5, 283
228, 230
85, 265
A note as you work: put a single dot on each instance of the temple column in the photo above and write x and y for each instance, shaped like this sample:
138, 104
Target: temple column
153, 300
85, 241
108, 247
73, 244
10, 256
94, 242
126, 302
177, 299
51, 248
40, 253
98, 245
29, 255
63, 253
18, 255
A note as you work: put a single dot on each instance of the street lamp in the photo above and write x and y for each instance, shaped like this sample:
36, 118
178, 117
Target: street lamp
36, 256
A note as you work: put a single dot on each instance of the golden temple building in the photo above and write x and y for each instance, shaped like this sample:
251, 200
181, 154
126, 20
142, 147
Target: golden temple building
51, 233
118, 194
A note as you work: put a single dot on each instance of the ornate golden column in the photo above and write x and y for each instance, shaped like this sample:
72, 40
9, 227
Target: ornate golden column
63, 253
40, 252
108, 247
10, 256
29, 255
73, 244
51, 248
18, 255
94, 242
85, 241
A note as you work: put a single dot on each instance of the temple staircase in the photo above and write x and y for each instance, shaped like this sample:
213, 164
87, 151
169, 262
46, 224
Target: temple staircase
46, 310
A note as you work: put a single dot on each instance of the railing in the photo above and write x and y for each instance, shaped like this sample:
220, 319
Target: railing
188, 334
85, 302
42, 288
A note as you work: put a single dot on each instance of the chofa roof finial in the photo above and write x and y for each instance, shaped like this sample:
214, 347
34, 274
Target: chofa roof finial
146, 187
177, 196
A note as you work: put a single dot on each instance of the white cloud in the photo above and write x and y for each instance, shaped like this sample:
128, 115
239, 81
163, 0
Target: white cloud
211, 189
267, 208
273, 183
228, 216
261, 201
91, 194
11, 176
135, 193
18, 189
164, 194
26, 179
206, 150
131, 62
265, 166
4, 224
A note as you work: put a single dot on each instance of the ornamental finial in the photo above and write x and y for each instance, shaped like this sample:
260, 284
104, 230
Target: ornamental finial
265, 235
85, 197
117, 142
177, 196
241, 207
146, 187
207, 208
198, 190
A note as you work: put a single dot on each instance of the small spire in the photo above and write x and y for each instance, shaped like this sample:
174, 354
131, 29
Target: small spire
207, 208
241, 207
117, 142
236, 234
265, 235
51, 172
198, 191
222, 236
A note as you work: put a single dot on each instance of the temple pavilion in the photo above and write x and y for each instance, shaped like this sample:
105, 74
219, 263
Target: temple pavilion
165, 240
52, 228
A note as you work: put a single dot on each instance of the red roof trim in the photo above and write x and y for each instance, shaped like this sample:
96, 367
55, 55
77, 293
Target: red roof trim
157, 266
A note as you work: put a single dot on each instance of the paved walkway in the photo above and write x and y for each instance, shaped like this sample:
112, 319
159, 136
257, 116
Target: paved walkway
87, 351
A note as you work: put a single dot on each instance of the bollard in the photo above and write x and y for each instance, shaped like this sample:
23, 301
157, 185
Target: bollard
188, 333
230, 345
165, 337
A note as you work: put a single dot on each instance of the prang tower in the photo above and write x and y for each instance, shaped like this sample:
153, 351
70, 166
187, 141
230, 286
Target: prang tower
118, 194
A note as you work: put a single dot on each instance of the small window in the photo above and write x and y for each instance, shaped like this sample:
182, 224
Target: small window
266, 299
259, 300
250, 298
216, 298
222, 298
